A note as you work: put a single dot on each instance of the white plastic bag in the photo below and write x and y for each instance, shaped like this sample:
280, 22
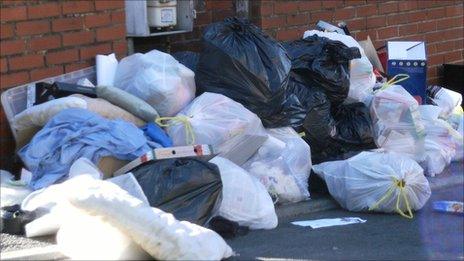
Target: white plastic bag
446, 99
157, 232
157, 78
456, 120
378, 181
283, 165
11, 192
362, 77
397, 122
212, 119
244, 199
440, 140
86, 237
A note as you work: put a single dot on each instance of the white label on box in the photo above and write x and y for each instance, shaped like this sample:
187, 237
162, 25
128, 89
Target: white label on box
167, 16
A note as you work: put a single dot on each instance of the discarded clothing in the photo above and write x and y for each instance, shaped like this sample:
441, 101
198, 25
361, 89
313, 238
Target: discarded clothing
75, 133
156, 134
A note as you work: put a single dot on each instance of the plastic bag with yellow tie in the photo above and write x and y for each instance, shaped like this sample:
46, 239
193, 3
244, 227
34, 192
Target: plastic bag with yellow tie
377, 181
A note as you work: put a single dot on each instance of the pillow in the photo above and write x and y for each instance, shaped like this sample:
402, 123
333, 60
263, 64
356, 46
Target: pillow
28, 122
108, 110
127, 101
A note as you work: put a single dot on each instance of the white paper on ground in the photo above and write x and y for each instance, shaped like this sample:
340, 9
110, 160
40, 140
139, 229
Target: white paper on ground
328, 222
106, 69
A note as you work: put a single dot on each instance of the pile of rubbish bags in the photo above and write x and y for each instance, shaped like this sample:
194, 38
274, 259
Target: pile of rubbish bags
110, 165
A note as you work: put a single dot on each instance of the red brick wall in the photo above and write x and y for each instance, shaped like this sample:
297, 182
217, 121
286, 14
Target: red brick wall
439, 23
40, 39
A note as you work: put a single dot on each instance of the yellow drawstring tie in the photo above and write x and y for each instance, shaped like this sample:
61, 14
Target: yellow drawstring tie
396, 79
396, 184
189, 134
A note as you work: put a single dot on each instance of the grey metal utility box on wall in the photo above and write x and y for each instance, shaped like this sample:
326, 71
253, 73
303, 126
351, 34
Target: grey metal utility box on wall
137, 24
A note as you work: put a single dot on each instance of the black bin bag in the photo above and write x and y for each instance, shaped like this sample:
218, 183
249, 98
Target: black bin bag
187, 58
300, 99
351, 131
188, 188
323, 63
243, 63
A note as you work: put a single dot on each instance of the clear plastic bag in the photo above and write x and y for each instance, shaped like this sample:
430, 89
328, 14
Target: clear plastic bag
244, 199
283, 165
379, 181
157, 78
212, 119
441, 140
397, 123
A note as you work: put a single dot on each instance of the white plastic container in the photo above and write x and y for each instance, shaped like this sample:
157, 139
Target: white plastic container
162, 13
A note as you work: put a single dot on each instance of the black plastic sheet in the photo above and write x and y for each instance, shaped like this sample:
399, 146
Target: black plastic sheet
188, 188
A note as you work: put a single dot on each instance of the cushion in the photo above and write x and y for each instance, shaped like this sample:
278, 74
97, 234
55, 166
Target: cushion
127, 101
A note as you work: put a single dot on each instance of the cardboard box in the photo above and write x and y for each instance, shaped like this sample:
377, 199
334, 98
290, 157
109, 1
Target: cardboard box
409, 58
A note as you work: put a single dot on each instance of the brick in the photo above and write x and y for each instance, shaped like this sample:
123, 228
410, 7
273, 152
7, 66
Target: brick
357, 24
62, 57
45, 43
67, 24
322, 15
118, 17
265, 9
376, 22
32, 28
111, 33
222, 14
77, 66
204, 18
452, 56
388, 8
39, 74
448, 23
107, 5
387, 33
356, 2
13, 14
87, 53
6, 31
407, 5
15, 2
444, 46
13, 79
26, 62
43, 10
436, 13
397, 19
97, 20
3, 65
433, 37
285, 7
361, 36
309, 5
273, 22
289, 34
332, 3
219, 4
454, 10
75, 7
417, 17
408, 29
12, 47
367, 11
120, 48
297, 19
78, 38
345, 13
427, 26
435, 59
